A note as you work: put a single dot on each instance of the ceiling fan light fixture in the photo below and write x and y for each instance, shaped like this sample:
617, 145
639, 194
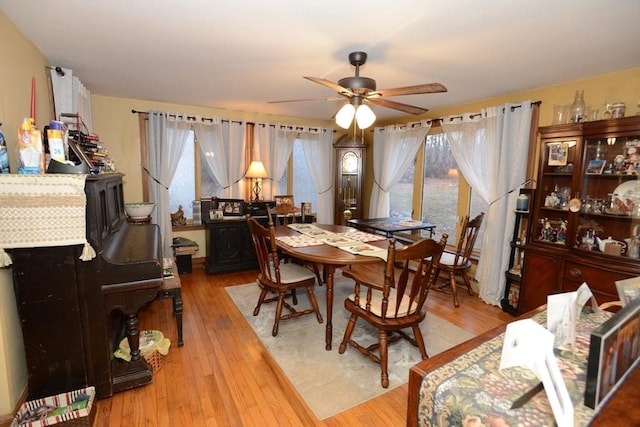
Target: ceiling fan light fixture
365, 116
344, 116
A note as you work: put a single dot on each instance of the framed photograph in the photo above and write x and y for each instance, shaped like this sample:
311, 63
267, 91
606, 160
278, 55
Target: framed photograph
595, 167
285, 199
558, 154
231, 207
628, 290
613, 353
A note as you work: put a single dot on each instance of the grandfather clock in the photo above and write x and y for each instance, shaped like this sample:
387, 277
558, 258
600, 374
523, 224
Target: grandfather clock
349, 184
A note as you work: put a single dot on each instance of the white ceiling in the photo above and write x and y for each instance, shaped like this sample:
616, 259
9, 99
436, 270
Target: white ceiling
240, 54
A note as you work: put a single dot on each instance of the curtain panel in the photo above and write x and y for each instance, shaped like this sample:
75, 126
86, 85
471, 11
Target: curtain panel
167, 137
490, 148
394, 149
223, 149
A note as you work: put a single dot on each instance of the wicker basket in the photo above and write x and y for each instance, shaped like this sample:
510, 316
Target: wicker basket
77, 418
153, 347
156, 360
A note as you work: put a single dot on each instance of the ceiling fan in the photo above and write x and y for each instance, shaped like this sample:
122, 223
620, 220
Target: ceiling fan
362, 90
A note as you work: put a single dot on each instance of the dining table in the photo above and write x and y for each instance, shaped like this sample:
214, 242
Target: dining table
329, 258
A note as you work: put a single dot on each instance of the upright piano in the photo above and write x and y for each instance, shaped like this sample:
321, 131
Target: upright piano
74, 313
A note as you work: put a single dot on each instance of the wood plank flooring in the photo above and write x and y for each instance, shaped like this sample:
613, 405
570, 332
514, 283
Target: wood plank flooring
223, 376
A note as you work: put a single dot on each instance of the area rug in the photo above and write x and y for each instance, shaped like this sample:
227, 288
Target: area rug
330, 382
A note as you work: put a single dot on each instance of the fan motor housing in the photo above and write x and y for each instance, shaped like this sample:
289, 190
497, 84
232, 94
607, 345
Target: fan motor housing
358, 84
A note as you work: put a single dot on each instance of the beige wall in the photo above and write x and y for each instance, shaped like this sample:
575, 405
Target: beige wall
20, 62
118, 131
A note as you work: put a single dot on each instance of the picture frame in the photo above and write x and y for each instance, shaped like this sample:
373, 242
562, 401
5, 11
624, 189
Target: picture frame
595, 167
284, 199
612, 355
231, 207
628, 289
558, 154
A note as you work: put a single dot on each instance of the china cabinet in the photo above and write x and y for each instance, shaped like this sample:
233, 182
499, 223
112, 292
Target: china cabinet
586, 210
519, 238
349, 180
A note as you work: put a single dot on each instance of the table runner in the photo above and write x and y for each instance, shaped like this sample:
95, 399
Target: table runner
42, 211
472, 389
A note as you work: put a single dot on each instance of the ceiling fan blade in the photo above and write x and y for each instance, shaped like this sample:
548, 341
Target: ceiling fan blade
333, 98
412, 90
341, 90
397, 106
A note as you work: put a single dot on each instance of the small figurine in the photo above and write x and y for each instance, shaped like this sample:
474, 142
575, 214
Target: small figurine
562, 233
178, 217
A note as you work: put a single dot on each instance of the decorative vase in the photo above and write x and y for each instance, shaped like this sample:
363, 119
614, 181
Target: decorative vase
578, 108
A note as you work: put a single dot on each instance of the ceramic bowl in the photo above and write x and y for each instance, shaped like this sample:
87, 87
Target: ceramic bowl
139, 210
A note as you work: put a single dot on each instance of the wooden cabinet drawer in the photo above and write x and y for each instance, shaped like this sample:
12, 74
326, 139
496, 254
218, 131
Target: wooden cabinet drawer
601, 280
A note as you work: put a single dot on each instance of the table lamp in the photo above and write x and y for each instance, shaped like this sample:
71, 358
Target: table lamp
256, 172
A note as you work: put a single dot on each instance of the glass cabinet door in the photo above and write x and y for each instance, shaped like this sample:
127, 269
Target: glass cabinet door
556, 191
609, 216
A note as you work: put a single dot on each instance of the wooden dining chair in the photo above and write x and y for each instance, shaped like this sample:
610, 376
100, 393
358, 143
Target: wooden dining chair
284, 214
459, 263
394, 300
280, 278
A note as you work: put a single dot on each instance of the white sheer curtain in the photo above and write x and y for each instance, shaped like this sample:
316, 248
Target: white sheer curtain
273, 145
223, 148
490, 149
317, 145
167, 137
394, 148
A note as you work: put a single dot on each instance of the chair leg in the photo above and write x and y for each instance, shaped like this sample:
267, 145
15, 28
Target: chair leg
347, 333
417, 334
314, 303
384, 358
454, 290
316, 270
467, 282
436, 274
263, 294
278, 314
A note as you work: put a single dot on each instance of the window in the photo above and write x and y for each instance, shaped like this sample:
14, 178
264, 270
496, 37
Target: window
304, 189
182, 191
441, 196
441, 185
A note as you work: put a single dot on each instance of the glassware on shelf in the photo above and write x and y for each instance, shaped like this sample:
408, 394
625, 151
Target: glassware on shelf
578, 108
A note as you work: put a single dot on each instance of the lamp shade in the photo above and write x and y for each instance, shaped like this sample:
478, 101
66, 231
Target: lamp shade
256, 170
365, 116
344, 117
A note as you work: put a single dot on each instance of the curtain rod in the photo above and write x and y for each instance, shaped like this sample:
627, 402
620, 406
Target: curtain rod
440, 119
471, 116
291, 127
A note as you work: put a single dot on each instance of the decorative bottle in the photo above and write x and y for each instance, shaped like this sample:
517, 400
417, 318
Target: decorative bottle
578, 108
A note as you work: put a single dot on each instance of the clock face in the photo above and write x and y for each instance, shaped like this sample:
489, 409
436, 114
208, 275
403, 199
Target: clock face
349, 162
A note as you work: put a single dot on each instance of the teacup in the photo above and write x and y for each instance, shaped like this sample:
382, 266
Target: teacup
613, 111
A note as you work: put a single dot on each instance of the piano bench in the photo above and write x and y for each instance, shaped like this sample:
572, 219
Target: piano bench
172, 288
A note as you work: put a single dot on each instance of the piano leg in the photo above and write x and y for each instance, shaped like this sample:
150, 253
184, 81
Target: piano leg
128, 300
133, 335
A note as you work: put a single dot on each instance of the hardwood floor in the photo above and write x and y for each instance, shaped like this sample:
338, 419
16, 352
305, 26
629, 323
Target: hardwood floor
223, 376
